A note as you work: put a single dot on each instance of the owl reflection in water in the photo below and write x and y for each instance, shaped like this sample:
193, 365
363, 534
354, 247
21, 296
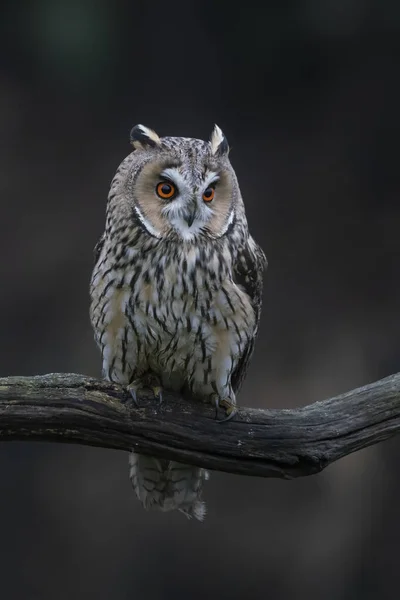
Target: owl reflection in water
176, 291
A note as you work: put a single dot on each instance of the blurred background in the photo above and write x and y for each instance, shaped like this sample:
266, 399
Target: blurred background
308, 96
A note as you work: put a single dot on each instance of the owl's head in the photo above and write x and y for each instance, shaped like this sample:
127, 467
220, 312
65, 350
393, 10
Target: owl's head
181, 187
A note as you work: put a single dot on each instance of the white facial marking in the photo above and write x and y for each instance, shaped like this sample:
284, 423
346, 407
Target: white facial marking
228, 223
146, 223
187, 233
173, 175
212, 177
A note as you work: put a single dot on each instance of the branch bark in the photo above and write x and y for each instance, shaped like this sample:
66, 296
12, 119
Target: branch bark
269, 443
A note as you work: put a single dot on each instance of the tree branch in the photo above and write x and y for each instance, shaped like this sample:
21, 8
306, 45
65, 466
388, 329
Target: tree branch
268, 443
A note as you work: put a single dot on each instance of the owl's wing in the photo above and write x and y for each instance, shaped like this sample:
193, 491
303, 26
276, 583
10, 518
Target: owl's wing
248, 274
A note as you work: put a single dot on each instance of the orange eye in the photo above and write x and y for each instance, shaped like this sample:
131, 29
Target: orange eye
165, 190
209, 194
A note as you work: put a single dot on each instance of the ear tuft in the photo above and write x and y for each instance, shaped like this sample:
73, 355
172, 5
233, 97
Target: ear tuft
142, 137
219, 143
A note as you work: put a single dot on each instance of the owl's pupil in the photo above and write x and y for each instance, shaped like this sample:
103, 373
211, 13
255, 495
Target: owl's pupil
208, 193
166, 189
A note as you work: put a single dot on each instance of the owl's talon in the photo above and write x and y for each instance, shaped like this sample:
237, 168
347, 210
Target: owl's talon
230, 412
132, 389
215, 399
157, 390
230, 409
149, 381
153, 382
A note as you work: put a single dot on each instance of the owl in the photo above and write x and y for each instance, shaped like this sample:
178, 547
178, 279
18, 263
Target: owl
176, 291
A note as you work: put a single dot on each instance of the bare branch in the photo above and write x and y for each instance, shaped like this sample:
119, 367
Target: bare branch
268, 443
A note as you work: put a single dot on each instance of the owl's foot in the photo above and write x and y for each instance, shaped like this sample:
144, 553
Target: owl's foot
149, 381
229, 406
157, 391
133, 388
153, 382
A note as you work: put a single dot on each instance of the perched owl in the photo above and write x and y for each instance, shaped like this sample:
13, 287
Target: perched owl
176, 290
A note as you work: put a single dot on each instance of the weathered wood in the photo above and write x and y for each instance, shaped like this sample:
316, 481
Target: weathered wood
267, 443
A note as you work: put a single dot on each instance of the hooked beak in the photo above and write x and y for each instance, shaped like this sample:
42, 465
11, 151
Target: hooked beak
189, 218
190, 215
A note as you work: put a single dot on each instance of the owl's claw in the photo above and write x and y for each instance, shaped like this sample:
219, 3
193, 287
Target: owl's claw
231, 413
157, 390
153, 382
230, 409
132, 389
148, 381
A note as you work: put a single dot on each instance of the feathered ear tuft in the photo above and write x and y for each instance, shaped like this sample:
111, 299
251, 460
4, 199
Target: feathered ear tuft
142, 137
219, 143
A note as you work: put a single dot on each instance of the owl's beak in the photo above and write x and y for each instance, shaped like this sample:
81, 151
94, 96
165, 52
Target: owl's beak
190, 215
189, 218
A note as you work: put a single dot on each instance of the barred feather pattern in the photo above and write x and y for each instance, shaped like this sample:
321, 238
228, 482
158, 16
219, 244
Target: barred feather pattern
186, 311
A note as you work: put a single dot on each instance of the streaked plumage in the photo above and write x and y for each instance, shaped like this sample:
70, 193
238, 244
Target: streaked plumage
176, 289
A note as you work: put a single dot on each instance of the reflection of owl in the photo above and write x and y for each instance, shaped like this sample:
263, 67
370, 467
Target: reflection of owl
176, 290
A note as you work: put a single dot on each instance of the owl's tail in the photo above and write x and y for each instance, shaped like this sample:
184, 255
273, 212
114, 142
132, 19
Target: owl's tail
168, 485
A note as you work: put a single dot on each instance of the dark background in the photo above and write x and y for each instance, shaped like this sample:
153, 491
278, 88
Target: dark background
307, 93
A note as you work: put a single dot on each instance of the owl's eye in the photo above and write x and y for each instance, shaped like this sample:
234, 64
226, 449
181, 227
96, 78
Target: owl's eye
165, 190
209, 194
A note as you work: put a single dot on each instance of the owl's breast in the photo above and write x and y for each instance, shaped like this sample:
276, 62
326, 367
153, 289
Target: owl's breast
191, 327
185, 320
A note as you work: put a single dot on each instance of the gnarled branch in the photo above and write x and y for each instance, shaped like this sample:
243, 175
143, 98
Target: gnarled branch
268, 443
